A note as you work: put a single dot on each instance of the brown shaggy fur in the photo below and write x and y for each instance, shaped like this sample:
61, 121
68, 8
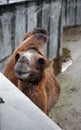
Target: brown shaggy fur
46, 93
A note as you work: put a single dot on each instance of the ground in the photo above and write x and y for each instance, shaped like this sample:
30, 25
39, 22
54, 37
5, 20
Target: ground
67, 112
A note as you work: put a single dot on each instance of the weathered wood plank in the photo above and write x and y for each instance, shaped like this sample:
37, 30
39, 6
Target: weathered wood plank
6, 28
54, 28
31, 16
17, 112
78, 12
45, 22
20, 23
72, 11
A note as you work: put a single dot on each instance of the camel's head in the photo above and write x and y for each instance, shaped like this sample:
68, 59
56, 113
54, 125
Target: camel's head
30, 65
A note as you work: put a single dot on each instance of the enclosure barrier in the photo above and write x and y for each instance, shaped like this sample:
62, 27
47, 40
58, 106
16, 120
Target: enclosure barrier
17, 112
21, 16
72, 12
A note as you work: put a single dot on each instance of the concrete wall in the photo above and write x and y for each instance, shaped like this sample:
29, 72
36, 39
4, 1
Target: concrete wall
17, 18
18, 112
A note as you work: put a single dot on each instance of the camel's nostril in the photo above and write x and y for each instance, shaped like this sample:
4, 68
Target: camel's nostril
19, 72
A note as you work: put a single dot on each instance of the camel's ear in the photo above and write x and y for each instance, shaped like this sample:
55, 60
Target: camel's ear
40, 63
48, 63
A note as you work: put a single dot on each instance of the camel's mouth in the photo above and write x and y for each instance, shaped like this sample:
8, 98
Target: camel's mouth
21, 75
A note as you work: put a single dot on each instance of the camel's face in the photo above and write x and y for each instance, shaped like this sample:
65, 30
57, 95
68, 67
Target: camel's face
30, 64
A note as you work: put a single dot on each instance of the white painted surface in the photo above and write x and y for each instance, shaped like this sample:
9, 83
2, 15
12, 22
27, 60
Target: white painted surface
18, 112
11, 1
65, 65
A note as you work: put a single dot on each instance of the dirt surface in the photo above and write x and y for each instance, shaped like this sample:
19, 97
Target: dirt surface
67, 112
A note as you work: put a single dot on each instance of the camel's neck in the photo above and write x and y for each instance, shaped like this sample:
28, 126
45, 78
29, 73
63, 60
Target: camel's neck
32, 82
31, 89
36, 92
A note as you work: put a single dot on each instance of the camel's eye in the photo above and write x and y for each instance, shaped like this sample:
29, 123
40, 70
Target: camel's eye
40, 63
17, 56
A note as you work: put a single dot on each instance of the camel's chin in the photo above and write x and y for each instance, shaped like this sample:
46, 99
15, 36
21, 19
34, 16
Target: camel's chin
22, 76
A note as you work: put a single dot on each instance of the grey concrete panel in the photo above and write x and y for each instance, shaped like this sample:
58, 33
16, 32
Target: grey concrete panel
17, 112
